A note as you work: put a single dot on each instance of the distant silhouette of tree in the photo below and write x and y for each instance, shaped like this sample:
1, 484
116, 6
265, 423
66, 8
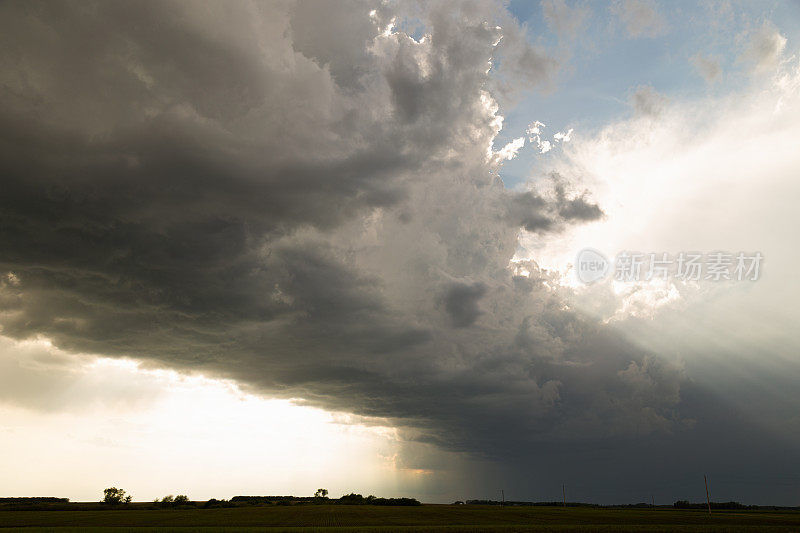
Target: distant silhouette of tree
358, 499
180, 500
321, 493
214, 503
115, 496
352, 499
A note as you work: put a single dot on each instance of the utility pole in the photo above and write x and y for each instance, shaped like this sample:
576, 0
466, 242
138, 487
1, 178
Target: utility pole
564, 494
652, 501
708, 500
502, 498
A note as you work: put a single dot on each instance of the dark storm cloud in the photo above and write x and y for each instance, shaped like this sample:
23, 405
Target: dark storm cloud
530, 211
461, 303
541, 214
281, 194
577, 208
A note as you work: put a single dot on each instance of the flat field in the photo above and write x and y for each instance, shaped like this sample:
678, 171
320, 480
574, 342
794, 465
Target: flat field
366, 518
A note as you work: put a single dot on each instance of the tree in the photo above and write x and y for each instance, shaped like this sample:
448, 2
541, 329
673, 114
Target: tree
352, 499
321, 493
115, 496
181, 499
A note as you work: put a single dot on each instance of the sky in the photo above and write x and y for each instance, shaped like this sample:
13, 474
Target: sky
268, 247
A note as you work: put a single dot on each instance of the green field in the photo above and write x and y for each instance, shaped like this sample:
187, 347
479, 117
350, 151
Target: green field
388, 519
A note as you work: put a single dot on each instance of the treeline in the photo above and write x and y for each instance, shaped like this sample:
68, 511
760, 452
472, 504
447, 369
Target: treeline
34, 499
684, 504
31, 503
35, 504
170, 501
528, 504
680, 504
347, 499
358, 499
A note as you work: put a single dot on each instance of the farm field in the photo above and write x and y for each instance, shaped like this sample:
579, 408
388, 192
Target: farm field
366, 518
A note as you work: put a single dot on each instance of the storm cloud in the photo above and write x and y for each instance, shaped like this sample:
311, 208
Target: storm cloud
301, 198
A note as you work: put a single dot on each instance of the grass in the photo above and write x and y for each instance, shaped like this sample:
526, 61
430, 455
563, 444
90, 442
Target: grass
366, 518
